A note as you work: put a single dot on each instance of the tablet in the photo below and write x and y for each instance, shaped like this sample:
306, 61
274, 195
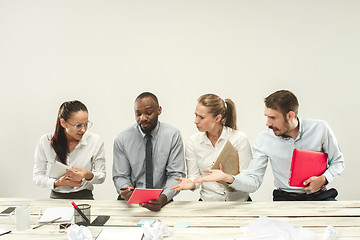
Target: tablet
306, 164
57, 169
7, 211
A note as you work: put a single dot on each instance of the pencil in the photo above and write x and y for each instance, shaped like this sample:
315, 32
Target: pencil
52, 221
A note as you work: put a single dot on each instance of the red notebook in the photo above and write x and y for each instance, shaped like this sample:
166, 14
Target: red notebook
144, 195
306, 164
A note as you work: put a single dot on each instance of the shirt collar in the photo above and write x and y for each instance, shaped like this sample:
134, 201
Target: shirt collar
223, 135
301, 129
300, 132
153, 133
83, 141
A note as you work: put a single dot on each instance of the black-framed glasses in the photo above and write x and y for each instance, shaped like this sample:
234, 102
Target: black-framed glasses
79, 126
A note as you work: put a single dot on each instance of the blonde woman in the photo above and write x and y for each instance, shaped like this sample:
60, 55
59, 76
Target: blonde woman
216, 122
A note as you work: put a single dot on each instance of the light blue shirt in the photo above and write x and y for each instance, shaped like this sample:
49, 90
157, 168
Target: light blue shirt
314, 135
168, 158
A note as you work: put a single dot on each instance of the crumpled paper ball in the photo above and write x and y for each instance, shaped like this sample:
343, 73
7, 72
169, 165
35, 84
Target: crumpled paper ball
157, 232
330, 233
75, 232
276, 229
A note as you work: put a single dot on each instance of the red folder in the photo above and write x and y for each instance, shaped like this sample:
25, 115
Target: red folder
306, 164
144, 195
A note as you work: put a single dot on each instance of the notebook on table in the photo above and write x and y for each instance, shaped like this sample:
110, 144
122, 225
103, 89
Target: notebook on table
306, 164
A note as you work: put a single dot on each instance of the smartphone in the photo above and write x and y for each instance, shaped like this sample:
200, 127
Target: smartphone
100, 220
7, 211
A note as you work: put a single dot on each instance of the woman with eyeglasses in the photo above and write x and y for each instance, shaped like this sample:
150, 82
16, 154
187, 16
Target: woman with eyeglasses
72, 145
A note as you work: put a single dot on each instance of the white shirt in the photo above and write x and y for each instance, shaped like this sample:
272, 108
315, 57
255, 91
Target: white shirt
314, 135
89, 154
201, 154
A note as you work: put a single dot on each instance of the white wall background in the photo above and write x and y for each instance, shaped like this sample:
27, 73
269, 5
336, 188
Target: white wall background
105, 53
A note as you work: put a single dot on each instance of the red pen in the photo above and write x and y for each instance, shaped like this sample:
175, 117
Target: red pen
81, 213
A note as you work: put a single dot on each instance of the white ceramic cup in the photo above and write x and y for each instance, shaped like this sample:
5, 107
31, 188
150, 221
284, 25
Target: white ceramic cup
22, 215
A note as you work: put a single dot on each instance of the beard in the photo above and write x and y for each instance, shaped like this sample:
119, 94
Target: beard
283, 131
151, 125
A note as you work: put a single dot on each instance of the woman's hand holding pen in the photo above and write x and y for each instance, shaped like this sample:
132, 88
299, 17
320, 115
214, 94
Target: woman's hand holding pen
126, 193
74, 177
77, 174
185, 184
64, 181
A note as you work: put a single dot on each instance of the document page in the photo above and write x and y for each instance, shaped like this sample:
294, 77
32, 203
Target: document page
135, 233
66, 214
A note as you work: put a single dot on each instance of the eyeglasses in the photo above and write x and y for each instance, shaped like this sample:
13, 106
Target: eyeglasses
79, 126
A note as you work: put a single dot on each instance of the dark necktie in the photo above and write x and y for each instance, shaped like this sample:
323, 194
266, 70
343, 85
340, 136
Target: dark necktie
148, 162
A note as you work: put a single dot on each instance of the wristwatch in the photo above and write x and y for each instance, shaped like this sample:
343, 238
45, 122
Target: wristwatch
228, 183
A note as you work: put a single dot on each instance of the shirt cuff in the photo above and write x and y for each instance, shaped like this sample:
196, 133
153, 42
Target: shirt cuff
328, 177
169, 193
94, 179
229, 183
51, 182
235, 184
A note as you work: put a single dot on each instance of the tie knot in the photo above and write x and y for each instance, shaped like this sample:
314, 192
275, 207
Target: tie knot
148, 137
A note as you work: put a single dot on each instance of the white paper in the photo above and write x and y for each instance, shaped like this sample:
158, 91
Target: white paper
110, 233
57, 169
75, 232
66, 214
263, 237
157, 232
269, 228
330, 233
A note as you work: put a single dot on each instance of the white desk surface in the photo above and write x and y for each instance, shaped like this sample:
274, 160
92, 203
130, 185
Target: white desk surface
208, 220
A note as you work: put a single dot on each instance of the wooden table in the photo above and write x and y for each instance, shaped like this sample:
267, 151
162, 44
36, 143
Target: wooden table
209, 220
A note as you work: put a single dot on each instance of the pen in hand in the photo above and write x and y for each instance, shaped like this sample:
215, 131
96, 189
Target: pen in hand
123, 189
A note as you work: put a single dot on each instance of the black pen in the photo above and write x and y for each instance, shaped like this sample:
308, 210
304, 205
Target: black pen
42, 224
81, 213
123, 189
